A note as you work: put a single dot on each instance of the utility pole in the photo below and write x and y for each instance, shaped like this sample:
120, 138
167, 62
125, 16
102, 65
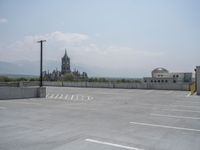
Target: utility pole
41, 55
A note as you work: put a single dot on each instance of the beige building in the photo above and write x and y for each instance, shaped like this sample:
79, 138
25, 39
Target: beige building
162, 75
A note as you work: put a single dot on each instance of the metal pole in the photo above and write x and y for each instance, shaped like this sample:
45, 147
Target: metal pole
41, 60
41, 64
195, 79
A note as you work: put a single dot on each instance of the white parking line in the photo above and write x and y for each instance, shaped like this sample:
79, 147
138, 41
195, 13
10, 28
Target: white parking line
47, 95
189, 94
82, 97
66, 96
56, 96
61, 96
72, 97
77, 97
51, 96
164, 126
171, 116
112, 144
89, 97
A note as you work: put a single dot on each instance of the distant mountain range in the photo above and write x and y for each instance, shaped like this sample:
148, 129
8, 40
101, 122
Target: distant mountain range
25, 67
32, 68
16, 76
18, 68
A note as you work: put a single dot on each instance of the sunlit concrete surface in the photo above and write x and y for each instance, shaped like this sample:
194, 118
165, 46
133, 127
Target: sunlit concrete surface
101, 119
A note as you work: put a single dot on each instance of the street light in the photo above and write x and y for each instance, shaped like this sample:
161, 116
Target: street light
41, 47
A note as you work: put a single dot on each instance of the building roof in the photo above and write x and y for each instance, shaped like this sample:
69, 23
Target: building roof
160, 70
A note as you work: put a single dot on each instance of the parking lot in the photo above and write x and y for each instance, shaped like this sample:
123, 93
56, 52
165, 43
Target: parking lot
101, 119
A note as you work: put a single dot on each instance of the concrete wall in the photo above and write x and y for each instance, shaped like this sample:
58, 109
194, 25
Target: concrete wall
19, 84
142, 85
170, 86
22, 92
198, 79
9, 84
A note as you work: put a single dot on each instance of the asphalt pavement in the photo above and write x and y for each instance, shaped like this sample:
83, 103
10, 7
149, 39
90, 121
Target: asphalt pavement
101, 119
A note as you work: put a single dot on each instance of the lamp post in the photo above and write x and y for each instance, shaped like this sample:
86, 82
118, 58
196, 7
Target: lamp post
41, 55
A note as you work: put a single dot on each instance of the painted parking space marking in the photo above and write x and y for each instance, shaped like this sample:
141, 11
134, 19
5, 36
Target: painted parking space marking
164, 126
66, 96
77, 97
61, 96
172, 116
188, 95
112, 144
73, 97
57, 96
90, 98
47, 95
82, 97
51, 96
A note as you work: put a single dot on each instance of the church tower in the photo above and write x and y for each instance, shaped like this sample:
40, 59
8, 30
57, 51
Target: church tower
65, 66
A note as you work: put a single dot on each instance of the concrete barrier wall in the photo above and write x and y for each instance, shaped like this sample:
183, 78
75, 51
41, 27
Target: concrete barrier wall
30, 83
22, 92
9, 84
142, 85
20, 84
170, 86
52, 83
198, 79
161, 86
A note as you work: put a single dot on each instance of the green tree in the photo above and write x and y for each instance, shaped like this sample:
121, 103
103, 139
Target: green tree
68, 77
5, 79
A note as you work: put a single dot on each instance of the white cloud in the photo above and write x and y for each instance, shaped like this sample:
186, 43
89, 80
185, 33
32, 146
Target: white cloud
28, 48
3, 20
82, 50
65, 38
115, 57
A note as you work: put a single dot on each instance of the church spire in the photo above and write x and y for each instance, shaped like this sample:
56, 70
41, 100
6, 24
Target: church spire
65, 52
65, 66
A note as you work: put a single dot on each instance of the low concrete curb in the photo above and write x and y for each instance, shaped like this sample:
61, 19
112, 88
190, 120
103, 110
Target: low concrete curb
198, 79
22, 92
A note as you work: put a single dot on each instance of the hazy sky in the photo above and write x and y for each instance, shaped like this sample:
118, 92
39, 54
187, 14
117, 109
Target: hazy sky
121, 38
